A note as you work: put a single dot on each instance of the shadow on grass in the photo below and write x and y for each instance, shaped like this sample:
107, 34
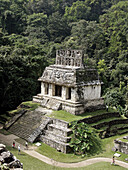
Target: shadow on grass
21, 154
115, 165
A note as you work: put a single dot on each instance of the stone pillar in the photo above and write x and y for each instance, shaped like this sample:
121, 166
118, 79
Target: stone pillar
74, 95
67, 92
63, 93
53, 89
99, 90
50, 89
72, 62
42, 88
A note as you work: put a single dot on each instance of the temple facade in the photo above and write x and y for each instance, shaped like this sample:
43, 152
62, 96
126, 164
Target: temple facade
69, 85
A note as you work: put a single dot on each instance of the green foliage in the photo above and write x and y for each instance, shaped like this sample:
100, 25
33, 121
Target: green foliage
101, 66
58, 27
77, 11
13, 16
114, 98
33, 30
87, 36
119, 73
18, 76
122, 111
84, 139
114, 24
103, 70
36, 30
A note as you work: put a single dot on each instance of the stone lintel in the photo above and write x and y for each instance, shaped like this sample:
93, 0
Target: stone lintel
75, 85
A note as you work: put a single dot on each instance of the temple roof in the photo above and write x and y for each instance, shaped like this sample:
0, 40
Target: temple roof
72, 58
69, 70
68, 76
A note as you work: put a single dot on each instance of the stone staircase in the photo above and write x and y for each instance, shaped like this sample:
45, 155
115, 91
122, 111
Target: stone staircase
56, 135
36, 126
39, 129
30, 125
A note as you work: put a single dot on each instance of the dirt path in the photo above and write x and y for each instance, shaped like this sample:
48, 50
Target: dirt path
8, 139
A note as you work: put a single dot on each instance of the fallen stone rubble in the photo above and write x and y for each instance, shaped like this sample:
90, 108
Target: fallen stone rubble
8, 160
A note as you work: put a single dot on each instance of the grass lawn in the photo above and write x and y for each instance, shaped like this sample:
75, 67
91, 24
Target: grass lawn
103, 166
31, 104
69, 117
30, 163
107, 145
58, 156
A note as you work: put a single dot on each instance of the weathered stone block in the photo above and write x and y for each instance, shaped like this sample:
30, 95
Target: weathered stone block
7, 158
121, 146
54, 104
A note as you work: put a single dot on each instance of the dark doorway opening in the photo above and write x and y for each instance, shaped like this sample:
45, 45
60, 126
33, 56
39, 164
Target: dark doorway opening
58, 90
46, 88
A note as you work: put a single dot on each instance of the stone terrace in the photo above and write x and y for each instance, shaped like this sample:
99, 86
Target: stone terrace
28, 124
56, 135
35, 126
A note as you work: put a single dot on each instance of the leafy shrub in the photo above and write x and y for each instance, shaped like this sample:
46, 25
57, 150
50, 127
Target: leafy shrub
84, 139
114, 97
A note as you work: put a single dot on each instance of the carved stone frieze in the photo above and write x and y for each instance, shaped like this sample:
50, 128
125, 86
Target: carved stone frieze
58, 76
69, 58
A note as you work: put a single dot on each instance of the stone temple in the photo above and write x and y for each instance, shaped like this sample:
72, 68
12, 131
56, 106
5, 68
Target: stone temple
69, 85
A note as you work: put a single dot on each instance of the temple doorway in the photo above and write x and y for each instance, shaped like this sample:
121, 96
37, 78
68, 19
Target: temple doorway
46, 88
58, 90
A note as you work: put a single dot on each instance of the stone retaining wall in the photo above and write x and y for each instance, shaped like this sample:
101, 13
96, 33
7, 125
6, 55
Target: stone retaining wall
56, 135
121, 146
99, 117
113, 122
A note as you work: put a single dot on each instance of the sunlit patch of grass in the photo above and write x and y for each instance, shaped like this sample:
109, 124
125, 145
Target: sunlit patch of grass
66, 116
31, 104
106, 144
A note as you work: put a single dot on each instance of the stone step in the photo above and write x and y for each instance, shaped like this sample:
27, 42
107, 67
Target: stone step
19, 127
37, 99
59, 146
54, 104
44, 102
60, 123
57, 137
59, 130
33, 124
38, 130
30, 125
14, 119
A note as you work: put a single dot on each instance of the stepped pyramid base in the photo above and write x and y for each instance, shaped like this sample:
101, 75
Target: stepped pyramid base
30, 125
59, 146
36, 126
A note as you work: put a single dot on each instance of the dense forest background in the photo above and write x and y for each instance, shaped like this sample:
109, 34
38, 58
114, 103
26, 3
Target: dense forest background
32, 30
